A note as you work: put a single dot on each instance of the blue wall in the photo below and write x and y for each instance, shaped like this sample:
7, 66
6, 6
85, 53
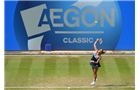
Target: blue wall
119, 37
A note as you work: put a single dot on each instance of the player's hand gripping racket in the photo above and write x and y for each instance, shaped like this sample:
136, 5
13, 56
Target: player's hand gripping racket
100, 40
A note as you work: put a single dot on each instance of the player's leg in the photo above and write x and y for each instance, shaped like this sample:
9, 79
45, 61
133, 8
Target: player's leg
94, 75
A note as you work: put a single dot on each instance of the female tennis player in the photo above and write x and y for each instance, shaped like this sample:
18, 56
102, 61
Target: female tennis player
95, 61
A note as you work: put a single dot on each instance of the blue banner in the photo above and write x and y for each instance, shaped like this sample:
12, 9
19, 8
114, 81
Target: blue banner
69, 25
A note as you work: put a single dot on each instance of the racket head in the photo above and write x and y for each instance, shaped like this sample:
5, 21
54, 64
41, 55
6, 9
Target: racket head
100, 40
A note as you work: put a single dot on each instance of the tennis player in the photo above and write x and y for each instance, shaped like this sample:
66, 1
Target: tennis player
95, 61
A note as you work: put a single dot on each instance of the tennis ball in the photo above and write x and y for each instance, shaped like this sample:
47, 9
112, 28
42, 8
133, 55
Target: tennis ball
68, 87
95, 21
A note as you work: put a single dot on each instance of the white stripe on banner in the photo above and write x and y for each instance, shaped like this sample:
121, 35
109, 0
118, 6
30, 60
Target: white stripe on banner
79, 32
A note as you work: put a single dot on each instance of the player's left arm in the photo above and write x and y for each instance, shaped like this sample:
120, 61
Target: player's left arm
98, 60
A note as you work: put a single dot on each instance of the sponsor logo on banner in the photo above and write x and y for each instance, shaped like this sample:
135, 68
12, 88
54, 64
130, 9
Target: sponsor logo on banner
67, 25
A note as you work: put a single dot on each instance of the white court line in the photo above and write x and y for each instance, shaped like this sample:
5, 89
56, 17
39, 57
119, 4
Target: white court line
78, 87
67, 55
79, 32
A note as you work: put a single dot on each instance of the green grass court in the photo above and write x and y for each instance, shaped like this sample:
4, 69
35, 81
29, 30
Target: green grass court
64, 71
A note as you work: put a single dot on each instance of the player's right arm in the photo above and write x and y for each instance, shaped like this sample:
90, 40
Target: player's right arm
94, 45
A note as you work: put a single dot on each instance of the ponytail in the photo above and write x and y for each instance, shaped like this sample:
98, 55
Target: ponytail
103, 51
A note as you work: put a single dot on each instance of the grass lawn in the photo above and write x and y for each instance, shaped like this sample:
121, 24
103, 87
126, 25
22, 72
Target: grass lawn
51, 71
